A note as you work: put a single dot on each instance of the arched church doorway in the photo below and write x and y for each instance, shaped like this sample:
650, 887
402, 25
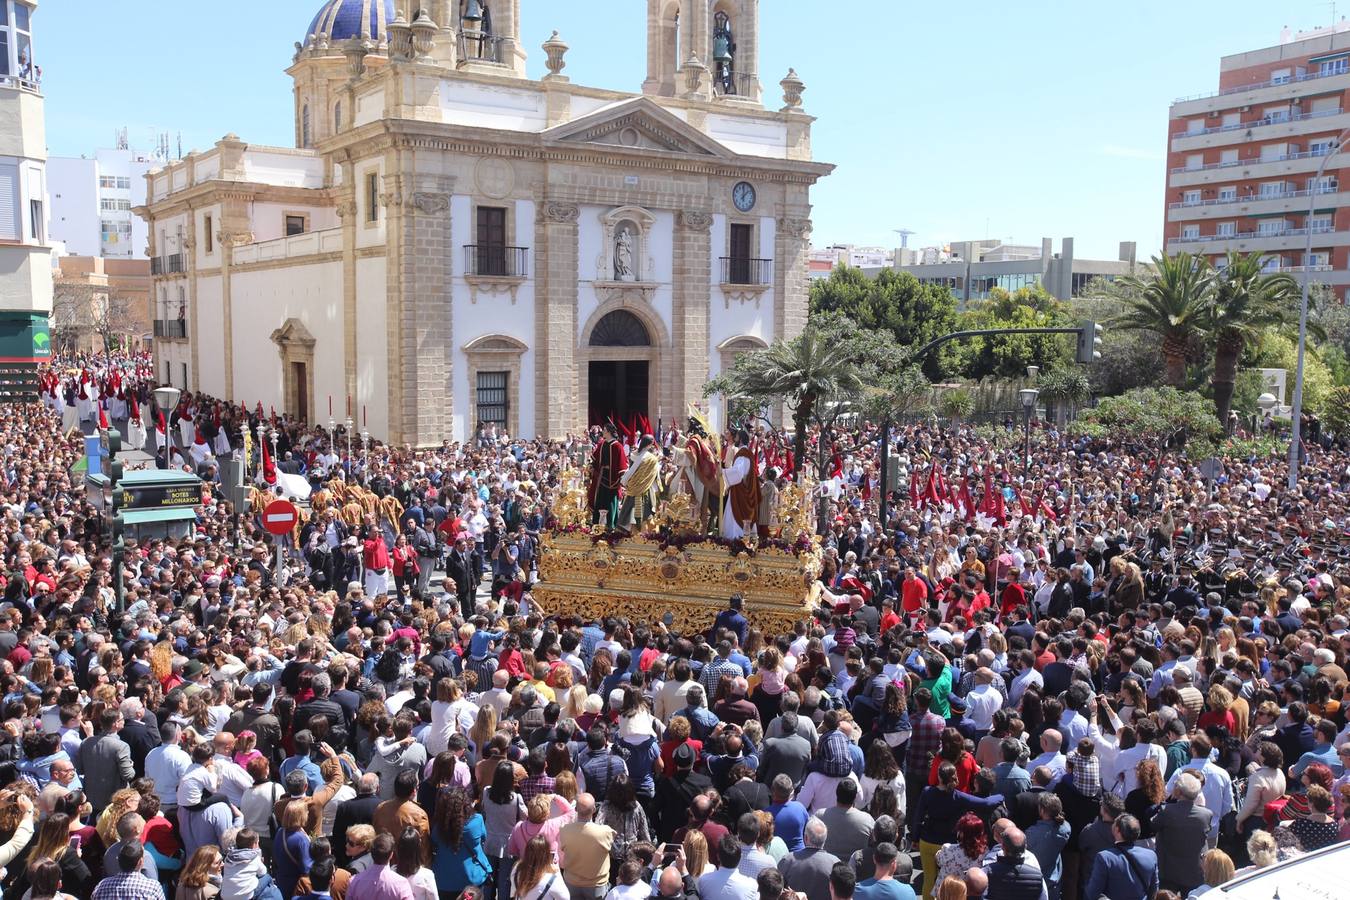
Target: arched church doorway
619, 370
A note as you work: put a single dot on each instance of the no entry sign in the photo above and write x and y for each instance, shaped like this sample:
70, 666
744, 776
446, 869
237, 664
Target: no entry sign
280, 516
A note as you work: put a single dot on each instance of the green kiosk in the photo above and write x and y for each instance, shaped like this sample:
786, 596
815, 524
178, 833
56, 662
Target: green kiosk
25, 344
158, 503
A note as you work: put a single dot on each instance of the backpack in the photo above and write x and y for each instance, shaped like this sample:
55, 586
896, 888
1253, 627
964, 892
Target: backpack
388, 666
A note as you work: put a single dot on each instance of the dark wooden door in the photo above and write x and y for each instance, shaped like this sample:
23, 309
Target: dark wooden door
491, 240
741, 238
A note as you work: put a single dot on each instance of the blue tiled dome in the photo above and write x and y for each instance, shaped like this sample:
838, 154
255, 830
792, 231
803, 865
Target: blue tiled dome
343, 19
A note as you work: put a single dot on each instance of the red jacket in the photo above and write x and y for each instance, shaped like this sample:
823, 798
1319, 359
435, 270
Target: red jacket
374, 553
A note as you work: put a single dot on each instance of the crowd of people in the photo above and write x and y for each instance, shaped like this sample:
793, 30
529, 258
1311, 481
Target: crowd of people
1134, 688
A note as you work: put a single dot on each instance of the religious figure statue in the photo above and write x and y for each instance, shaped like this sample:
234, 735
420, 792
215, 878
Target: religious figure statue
608, 462
641, 485
698, 475
623, 256
742, 479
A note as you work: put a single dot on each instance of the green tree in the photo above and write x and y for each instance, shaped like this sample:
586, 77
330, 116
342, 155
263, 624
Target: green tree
1171, 303
912, 312
1336, 415
1156, 418
1245, 302
818, 375
1008, 355
1065, 390
956, 404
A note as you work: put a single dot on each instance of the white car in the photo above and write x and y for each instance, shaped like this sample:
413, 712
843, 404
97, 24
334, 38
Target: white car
1321, 875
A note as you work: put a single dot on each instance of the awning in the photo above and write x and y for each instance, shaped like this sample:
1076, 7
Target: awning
146, 516
1337, 55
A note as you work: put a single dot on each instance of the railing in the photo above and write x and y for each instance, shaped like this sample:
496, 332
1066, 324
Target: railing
496, 260
1252, 198
1274, 82
32, 85
1247, 235
1254, 160
171, 264
483, 48
1320, 267
743, 270
170, 328
1264, 120
737, 84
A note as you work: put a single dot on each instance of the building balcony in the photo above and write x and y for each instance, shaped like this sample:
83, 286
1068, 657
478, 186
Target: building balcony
742, 270
1291, 239
1265, 129
495, 261
1261, 93
1255, 205
14, 82
173, 329
172, 264
1252, 167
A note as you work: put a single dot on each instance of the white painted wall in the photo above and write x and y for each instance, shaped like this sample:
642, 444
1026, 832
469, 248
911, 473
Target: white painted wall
752, 137
524, 317
368, 234
283, 169
657, 265
262, 301
268, 220
212, 259
210, 329
372, 347
72, 187
492, 106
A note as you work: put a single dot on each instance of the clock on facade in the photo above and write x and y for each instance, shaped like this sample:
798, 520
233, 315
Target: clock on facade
743, 195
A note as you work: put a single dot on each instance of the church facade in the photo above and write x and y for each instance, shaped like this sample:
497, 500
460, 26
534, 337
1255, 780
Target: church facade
451, 243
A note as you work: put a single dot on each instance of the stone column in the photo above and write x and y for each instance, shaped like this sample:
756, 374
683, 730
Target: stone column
418, 208
692, 302
792, 245
555, 303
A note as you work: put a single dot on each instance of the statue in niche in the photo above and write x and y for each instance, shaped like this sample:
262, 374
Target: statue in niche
623, 255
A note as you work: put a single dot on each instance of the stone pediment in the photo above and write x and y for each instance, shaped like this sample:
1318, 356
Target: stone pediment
638, 124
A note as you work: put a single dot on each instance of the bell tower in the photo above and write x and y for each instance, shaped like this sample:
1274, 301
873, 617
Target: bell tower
719, 39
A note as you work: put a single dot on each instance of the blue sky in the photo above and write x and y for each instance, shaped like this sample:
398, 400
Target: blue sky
978, 119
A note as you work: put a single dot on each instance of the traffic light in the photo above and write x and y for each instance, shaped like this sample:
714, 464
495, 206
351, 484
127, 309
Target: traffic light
1089, 342
116, 521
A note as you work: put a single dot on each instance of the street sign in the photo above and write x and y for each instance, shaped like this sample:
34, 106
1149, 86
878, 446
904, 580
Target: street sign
280, 516
161, 496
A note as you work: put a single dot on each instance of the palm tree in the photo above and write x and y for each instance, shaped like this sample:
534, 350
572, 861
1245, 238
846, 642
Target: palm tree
1246, 301
807, 372
1170, 302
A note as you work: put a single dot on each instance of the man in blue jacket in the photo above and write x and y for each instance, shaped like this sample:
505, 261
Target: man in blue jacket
1125, 871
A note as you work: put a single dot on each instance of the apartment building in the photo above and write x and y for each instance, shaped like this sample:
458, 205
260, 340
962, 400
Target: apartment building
92, 199
1243, 162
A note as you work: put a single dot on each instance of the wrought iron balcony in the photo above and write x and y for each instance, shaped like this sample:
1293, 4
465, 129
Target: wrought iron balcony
480, 48
738, 84
172, 264
170, 328
744, 270
496, 260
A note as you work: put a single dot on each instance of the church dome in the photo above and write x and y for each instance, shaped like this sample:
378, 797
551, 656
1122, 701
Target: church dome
343, 19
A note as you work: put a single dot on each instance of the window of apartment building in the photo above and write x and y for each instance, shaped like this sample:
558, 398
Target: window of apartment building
1338, 66
1190, 232
1190, 198
107, 181
1276, 113
1269, 227
1228, 193
1225, 229
1273, 151
1324, 104
1195, 126
373, 197
1317, 258
1321, 146
1232, 119
1219, 263
1228, 157
1195, 161
296, 223
209, 234
1324, 184
1272, 263
9, 203
35, 220
1280, 76
492, 398
1320, 223
1271, 189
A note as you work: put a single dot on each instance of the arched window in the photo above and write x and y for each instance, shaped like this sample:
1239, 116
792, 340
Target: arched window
620, 329
304, 125
337, 117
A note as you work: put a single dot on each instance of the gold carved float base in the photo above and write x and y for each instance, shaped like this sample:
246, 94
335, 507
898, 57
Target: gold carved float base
639, 579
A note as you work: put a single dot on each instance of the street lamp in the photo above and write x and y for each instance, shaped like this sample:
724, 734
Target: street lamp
350, 425
166, 398
1266, 402
1296, 436
1028, 396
